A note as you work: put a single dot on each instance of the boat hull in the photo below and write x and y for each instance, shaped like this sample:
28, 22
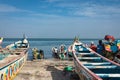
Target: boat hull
10, 70
14, 61
83, 72
89, 65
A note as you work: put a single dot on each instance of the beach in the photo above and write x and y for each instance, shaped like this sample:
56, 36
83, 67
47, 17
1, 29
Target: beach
45, 69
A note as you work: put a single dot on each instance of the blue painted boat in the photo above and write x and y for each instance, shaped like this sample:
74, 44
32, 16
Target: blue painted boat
12, 59
90, 65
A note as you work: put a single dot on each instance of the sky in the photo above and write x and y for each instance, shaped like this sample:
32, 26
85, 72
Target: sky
59, 18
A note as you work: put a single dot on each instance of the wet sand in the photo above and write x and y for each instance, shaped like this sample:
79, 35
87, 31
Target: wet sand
46, 69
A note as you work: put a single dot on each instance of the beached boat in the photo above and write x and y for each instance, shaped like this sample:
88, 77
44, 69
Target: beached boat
55, 52
60, 52
72, 48
12, 59
90, 65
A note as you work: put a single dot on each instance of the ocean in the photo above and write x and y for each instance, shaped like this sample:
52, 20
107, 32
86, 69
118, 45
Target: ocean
46, 44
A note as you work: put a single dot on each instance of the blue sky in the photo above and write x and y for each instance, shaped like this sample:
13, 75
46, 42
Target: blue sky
59, 18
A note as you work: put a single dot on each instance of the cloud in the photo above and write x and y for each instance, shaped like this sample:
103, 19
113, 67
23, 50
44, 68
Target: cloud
45, 15
54, 0
88, 8
9, 8
95, 10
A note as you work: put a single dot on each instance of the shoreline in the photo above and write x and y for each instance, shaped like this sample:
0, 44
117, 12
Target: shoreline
44, 69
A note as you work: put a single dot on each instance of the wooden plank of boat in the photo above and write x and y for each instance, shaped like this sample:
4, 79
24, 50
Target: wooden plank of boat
107, 75
89, 58
7, 60
93, 63
85, 53
99, 67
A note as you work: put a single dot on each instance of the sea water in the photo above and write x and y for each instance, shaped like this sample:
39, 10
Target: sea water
46, 44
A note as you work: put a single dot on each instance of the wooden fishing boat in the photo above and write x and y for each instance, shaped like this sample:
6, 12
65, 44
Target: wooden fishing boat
12, 59
55, 52
60, 52
72, 48
89, 65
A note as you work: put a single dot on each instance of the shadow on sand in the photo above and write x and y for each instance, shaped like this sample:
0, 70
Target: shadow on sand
59, 74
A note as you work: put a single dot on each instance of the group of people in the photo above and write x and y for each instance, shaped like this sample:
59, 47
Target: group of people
38, 54
108, 49
99, 48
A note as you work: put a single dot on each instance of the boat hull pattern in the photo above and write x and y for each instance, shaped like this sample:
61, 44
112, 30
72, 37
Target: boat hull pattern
9, 71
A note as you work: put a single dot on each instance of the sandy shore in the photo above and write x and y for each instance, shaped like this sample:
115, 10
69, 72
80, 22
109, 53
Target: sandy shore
49, 69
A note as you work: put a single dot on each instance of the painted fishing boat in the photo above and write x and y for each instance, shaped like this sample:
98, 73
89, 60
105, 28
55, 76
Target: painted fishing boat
90, 65
60, 52
72, 47
12, 59
55, 52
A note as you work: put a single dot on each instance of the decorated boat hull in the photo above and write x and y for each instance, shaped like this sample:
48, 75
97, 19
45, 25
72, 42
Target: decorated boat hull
16, 57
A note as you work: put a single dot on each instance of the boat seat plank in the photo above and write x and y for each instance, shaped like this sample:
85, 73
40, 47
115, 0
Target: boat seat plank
89, 57
108, 75
99, 67
85, 53
100, 63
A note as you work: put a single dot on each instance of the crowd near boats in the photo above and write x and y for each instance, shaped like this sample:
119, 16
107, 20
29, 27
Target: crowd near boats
91, 62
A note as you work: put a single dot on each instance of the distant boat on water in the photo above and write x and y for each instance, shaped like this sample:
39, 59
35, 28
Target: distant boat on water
12, 59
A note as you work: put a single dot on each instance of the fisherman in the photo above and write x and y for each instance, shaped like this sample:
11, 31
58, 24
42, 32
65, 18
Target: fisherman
100, 47
93, 46
41, 54
35, 53
70, 53
55, 51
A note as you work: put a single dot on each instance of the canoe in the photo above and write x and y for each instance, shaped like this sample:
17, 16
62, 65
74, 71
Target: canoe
55, 52
60, 52
90, 65
12, 59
